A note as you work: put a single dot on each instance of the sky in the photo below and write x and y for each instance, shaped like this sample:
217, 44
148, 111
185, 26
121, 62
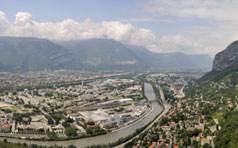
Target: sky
189, 26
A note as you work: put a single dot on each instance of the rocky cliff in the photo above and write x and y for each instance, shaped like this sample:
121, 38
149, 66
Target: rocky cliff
226, 59
225, 63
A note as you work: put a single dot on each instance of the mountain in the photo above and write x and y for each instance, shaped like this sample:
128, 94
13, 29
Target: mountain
216, 93
173, 61
31, 54
225, 62
105, 53
227, 59
34, 54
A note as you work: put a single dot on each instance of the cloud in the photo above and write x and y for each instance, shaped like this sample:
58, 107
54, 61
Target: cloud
71, 29
184, 45
2, 16
217, 10
210, 22
23, 18
4, 24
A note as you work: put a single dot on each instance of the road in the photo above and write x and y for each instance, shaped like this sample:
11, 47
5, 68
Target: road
166, 109
46, 114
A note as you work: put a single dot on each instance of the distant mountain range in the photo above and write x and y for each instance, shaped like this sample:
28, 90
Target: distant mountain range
34, 54
109, 54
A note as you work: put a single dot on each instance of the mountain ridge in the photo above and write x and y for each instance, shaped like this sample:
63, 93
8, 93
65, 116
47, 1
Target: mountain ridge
147, 59
33, 54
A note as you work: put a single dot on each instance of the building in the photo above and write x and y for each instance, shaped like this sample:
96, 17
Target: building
204, 141
38, 125
58, 129
5, 128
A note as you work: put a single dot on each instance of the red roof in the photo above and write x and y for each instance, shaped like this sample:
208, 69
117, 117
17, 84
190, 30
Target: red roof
6, 126
176, 146
95, 125
153, 145
206, 140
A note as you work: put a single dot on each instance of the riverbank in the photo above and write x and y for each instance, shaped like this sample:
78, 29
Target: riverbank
165, 106
135, 121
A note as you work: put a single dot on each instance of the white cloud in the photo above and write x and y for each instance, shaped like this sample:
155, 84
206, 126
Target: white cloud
2, 15
70, 29
218, 10
182, 44
4, 24
216, 21
23, 18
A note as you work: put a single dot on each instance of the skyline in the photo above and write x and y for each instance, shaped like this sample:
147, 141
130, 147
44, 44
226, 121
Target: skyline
189, 26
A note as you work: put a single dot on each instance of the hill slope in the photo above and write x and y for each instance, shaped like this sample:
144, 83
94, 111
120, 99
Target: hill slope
219, 89
34, 54
226, 59
172, 61
101, 52
225, 62
31, 54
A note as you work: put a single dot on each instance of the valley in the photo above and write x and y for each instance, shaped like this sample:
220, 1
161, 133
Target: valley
118, 74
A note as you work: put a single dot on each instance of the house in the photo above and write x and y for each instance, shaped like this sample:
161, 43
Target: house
58, 129
75, 117
153, 145
204, 141
5, 128
6, 118
68, 103
165, 128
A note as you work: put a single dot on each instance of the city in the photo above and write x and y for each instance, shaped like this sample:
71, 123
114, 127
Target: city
87, 106
118, 74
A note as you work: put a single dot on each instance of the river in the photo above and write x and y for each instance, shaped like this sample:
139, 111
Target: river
110, 137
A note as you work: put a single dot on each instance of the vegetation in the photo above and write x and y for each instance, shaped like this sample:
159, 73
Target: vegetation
6, 144
227, 137
221, 88
57, 117
169, 95
71, 132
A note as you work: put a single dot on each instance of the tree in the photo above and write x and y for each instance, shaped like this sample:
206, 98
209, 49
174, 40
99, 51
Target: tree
69, 131
51, 134
206, 145
72, 146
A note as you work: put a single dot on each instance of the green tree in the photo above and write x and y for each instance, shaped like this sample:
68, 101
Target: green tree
71, 132
72, 146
